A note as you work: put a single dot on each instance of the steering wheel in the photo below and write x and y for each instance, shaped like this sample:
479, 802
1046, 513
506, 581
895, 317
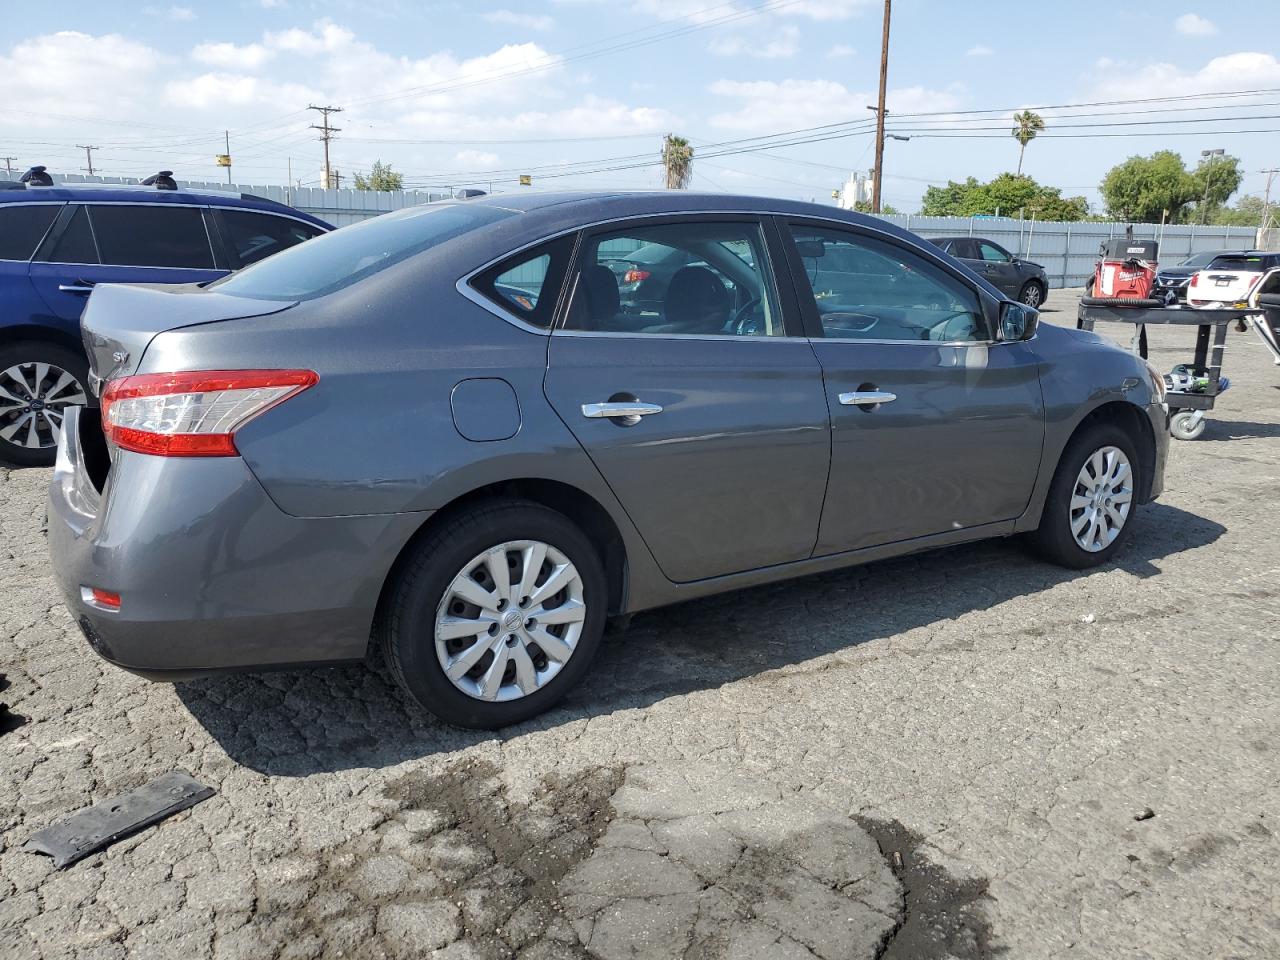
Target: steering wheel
738, 322
944, 325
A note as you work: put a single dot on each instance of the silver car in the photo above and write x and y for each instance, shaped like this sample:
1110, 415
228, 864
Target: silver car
440, 431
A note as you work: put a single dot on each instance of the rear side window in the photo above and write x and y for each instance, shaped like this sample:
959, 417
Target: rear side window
528, 284
1238, 262
152, 236
256, 236
343, 257
22, 227
76, 243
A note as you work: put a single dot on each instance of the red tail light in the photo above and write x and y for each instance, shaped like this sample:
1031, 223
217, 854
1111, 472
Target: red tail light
635, 276
193, 414
1255, 279
1195, 279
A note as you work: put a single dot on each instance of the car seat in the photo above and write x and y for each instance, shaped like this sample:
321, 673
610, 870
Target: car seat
696, 303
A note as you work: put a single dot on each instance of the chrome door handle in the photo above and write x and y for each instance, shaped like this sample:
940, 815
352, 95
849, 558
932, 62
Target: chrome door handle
859, 398
625, 408
74, 288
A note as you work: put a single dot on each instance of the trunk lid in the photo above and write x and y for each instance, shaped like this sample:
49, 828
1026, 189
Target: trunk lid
121, 320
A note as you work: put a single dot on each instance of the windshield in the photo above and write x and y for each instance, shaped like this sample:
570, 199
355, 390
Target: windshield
1238, 261
340, 258
1200, 259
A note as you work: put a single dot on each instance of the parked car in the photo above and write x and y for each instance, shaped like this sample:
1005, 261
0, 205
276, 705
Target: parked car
57, 242
1175, 278
371, 433
1020, 279
1229, 279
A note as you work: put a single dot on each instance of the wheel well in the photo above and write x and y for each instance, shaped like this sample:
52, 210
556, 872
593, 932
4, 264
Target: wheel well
32, 331
585, 512
1135, 423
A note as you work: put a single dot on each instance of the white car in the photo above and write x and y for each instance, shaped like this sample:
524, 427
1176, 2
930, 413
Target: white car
1266, 299
1229, 279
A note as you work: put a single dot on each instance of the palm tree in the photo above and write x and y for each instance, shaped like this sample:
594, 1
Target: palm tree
677, 159
1028, 125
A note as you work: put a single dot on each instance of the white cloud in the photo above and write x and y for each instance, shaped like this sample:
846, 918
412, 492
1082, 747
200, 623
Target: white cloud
326, 38
476, 160
786, 43
767, 105
273, 4
1235, 71
704, 11
981, 50
211, 90
178, 14
530, 21
840, 50
1194, 25
229, 55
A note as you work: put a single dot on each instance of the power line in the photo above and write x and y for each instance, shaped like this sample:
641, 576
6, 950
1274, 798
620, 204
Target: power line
326, 134
88, 155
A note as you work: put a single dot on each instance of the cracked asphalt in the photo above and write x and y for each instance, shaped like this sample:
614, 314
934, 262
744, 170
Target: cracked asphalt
960, 754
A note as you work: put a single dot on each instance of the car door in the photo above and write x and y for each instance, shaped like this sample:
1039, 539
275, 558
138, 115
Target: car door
705, 411
121, 243
996, 264
935, 426
22, 227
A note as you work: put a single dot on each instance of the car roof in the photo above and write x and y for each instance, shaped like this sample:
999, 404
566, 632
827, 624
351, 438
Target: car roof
137, 193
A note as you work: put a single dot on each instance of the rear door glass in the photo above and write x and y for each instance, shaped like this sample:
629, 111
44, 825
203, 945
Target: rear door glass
23, 226
135, 235
254, 236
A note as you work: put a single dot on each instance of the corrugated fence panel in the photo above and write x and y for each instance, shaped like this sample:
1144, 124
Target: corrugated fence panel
1066, 250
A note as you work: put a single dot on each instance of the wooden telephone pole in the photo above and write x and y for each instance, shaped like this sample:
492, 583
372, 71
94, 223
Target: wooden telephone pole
326, 134
880, 112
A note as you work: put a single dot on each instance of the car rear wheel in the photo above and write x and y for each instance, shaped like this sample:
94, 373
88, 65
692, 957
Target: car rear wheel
38, 382
1032, 294
1089, 511
496, 615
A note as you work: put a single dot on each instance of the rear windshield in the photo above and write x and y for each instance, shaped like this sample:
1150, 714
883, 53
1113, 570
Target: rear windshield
339, 259
1237, 262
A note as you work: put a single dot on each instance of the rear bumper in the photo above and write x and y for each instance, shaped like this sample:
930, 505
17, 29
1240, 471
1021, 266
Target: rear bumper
212, 575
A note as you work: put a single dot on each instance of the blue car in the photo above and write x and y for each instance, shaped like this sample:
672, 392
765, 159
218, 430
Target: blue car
57, 242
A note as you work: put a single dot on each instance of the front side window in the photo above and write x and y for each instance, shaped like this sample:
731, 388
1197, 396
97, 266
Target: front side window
23, 226
137, 235
527, 284
696, 278
992, 253
255, 236
867, 289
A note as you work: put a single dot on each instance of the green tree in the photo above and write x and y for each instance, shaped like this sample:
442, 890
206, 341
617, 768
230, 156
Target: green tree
1142, 189
864, 206
381, 177
1029, 124
1216, 179
1009, 194
1248, 212
677, 161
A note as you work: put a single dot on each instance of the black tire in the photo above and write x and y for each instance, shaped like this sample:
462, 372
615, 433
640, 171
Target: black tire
1053, 540
24, 352
407, 621
1131, 302
1030, 287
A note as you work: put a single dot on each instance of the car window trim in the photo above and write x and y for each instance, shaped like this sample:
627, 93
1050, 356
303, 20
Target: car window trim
790, 329
52, 224
464, 287
809, 308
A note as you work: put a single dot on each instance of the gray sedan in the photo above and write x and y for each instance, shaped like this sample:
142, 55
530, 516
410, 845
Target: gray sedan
1020, 279
440, 428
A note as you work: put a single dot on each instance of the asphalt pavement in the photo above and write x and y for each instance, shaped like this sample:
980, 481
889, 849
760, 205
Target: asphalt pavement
963, 754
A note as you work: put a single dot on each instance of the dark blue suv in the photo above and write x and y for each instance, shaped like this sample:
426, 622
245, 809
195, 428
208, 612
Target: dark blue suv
57, 242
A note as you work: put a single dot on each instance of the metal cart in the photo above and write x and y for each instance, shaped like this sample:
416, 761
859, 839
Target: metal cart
1186, 409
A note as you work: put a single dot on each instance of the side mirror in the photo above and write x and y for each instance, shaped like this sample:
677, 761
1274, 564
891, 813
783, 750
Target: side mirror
1018, 321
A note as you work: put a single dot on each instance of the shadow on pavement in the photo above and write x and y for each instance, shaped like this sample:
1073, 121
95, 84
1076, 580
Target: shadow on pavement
303, 722
1238, 430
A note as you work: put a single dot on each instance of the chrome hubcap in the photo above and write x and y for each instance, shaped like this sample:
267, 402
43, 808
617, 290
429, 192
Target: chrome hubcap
1032, 297
510, 620
33, 399
1101, 499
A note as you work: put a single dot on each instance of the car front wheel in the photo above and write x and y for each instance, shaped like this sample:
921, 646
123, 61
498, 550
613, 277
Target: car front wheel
1032, 294
496, 615
1089, 511
38, 382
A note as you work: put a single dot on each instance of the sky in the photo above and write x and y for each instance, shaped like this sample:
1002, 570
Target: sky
578, 93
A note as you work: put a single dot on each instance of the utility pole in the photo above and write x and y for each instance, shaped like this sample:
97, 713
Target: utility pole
1266, 200
88, 155
880, 112
326, 134
8, 166
227, 140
